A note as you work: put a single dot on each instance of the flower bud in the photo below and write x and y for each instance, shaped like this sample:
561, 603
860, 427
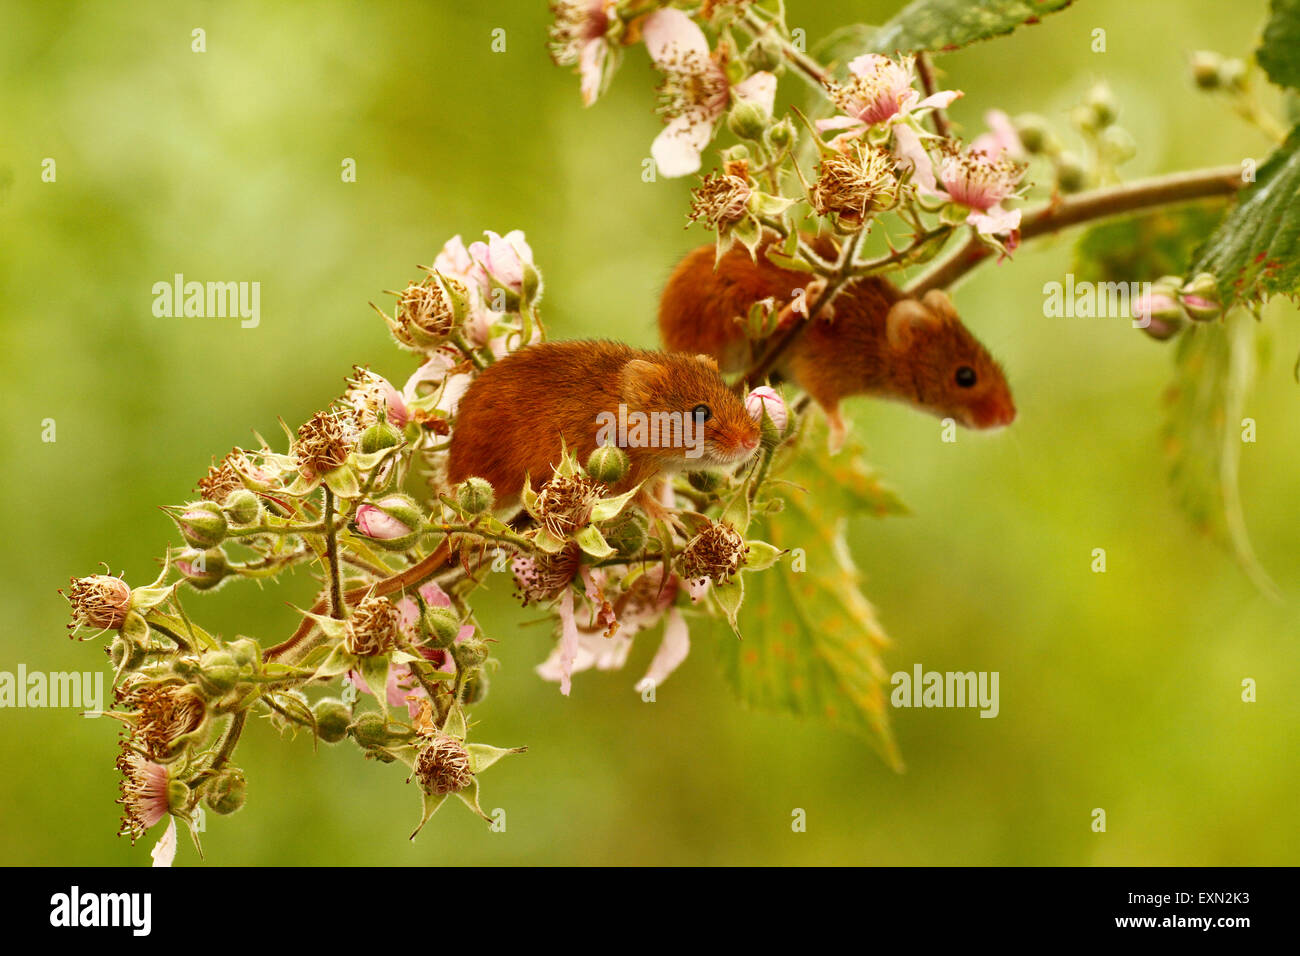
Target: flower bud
242, 507
1232, 75
332, 719
748, 120
780, 135
475, 496
178, 796
227, 791
766, 407
370, 730
1100, 105
202, 524
608, 464
1200, 297
475, 687
203, 569
379, 436
706, 481
394, 522
469, 654
764, 53
246, 651
217, 674
1033, 132
443, 625
627, 535
1070, 174
1205, 69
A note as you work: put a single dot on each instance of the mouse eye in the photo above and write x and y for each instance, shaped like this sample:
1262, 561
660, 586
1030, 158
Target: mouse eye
965, 376
701, 413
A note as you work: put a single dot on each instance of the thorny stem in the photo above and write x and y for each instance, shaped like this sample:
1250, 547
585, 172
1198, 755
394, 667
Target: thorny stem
842, 273
332, 556
228, 743
1063, 212
937, 116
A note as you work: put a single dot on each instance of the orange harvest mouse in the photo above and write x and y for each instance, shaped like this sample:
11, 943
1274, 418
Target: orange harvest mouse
520, 412
878, 342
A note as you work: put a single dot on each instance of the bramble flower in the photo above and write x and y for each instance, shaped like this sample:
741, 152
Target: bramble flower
981, 183
374, 628
541, 578
443, 766
144, 789
165, 718
504, 259
719, 200
324, 442
879, 92
715, 553
695, 91
578, 38
854, 182
427, 312
99, 601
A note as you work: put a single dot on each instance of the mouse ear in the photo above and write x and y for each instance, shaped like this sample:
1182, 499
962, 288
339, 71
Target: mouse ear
939, 303
708, 360
906, 317
640, 381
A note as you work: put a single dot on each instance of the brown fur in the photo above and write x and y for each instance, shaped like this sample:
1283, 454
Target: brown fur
852, 353
519, 413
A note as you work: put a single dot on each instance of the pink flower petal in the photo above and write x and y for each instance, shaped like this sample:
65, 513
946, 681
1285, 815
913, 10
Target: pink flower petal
674, 647
912, 155
591, 69
996, 221
568, 641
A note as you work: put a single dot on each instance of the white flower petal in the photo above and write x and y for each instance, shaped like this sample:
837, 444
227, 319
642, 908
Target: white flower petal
670, 35
676, 150
997, 221
908, 149
673, 649
164, 852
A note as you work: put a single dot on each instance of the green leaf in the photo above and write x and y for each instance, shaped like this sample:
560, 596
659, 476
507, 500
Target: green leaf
375, 670
607, 508
1143, 248
1255, 252
811, 639
591, 541
1214, 373
482, 756
943, 25
1277, 53
730, 596
430, 803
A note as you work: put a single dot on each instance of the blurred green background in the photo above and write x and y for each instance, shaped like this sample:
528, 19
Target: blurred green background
1119, 691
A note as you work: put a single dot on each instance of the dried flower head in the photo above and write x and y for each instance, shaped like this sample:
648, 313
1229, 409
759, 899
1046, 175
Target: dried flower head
425, 313
542, 577
325, 441
221, 480
715, 553
719, 200
855, 183
144, 798
99, 601
443, 766
564, 503
165, 717
374, 628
